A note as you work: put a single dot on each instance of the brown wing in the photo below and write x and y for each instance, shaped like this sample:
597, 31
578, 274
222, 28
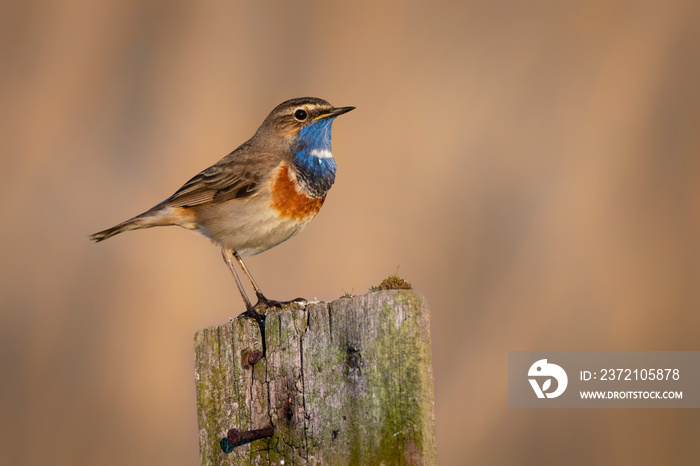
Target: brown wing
236, 176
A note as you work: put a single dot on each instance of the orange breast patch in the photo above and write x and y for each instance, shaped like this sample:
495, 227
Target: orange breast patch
289, 202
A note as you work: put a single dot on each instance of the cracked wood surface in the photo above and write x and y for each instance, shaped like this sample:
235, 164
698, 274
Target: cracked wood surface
346, 382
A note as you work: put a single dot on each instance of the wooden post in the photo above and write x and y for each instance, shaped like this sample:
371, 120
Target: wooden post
346, 382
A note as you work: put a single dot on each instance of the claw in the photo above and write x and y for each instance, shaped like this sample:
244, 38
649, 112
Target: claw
264, 302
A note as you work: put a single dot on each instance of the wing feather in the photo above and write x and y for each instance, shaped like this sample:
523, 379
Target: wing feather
236, 176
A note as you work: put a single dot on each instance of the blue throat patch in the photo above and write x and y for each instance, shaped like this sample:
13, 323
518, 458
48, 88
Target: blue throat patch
316, 174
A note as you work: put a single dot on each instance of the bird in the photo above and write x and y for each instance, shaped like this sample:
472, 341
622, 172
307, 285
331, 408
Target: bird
258, 196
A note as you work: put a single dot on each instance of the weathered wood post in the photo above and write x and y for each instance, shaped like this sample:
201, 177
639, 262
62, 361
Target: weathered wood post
346, 382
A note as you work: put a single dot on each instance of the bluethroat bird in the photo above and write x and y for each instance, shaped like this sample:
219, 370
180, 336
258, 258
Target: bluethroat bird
259, 195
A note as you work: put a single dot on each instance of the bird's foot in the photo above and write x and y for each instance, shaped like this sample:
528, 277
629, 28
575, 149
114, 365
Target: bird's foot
255, 315
267, 303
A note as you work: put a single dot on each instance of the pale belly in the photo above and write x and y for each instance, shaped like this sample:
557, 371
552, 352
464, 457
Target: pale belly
248, 228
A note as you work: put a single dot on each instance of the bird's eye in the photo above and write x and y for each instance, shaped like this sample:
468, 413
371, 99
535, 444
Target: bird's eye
301, 114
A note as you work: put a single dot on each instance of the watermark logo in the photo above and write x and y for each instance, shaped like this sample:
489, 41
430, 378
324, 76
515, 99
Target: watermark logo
546, 372
603, 379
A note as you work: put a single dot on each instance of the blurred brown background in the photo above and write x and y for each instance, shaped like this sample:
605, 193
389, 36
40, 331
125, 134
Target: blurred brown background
533, 168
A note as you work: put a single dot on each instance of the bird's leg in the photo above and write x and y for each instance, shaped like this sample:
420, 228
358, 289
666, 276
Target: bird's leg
262, 300
228, 254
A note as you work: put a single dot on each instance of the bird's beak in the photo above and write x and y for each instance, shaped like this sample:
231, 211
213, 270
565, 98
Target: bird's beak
334, 112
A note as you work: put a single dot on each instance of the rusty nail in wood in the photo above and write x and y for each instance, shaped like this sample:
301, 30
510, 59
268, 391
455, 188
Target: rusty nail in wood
235, 438
254, 356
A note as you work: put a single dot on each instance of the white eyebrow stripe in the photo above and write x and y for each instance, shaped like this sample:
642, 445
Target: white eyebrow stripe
321, 153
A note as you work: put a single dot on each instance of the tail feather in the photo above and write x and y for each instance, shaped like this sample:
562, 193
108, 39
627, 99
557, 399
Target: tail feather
133, 224
160, 215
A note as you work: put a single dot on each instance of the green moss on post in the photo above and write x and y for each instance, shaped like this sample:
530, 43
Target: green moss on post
392, 282
346, 382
